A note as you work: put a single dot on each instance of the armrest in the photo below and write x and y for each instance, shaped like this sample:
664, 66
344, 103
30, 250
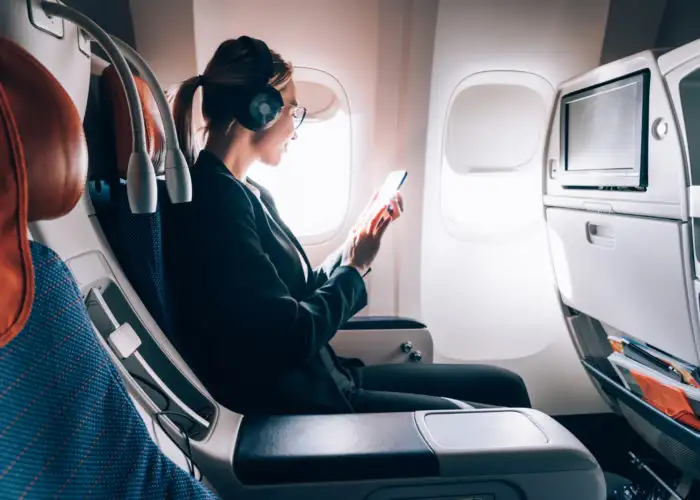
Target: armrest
323, 448
382, 323
382, 339
523, 447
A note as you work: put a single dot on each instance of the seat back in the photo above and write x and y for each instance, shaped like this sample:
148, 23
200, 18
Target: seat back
135, 239
68, 428
618, 202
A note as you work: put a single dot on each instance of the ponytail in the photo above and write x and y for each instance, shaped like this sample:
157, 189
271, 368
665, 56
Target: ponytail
182, 114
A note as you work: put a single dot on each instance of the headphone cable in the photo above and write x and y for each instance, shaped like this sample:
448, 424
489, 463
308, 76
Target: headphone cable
191, 465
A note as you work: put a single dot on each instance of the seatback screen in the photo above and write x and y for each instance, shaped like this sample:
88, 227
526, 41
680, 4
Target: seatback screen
605, 129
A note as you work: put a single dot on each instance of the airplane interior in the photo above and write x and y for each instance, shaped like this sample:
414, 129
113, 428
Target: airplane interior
551, 228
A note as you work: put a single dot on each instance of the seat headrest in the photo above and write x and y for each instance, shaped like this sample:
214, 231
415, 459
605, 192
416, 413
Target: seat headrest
116, 108
43, 168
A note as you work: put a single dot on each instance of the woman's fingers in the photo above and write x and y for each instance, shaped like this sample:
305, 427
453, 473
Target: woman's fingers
371, 221
374, 223
399, 200
381, 227
395, 209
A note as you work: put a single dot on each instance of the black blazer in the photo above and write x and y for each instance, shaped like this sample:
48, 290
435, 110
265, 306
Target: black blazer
247, 321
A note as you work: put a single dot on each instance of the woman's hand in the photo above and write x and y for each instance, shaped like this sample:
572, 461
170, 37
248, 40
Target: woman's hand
395, 207
392, 211
363, 246
364, 238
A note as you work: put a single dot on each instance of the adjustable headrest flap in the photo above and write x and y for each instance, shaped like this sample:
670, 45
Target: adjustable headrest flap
116, 108
16, 273
43, 165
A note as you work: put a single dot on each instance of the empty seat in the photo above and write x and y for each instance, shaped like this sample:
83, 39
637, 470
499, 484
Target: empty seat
68, 428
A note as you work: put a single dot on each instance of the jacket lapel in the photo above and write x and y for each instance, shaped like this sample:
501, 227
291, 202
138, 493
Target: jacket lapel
272, 208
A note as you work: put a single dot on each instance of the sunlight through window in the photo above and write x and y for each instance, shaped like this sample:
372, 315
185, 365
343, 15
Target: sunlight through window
311, 186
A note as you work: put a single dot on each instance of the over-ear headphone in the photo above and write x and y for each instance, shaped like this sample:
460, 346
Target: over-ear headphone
259, 103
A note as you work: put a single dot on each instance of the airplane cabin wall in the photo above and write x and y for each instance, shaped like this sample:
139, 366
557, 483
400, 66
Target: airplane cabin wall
161, 30
487, 288
405, 55
164, 34
632, 27
635, 26
113, 16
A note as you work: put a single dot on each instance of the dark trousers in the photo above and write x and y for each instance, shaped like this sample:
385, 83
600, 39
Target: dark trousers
416, 387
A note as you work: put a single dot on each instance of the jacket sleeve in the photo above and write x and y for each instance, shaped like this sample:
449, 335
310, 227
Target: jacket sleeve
256, 302
325, 270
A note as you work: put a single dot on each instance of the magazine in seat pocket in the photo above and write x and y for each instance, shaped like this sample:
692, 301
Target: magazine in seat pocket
675, 398
657, 359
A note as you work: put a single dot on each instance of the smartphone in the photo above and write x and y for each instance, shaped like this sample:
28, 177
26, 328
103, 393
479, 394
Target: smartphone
392, 184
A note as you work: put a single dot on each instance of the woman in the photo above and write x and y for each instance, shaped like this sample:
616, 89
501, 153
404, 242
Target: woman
253, 319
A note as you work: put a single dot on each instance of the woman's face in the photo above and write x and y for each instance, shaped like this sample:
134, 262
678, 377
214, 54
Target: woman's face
272, 143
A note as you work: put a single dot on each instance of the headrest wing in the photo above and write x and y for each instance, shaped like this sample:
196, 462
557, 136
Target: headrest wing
43, 165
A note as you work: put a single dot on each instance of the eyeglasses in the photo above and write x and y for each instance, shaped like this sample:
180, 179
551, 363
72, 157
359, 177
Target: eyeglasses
298, 114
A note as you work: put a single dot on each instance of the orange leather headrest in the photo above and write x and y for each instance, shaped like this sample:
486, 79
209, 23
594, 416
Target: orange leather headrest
43, 167
115, 105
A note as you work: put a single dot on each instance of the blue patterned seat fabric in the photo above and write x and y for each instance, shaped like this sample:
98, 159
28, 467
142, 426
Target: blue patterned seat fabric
68, 428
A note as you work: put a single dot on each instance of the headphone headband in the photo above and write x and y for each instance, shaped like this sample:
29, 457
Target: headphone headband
262, 57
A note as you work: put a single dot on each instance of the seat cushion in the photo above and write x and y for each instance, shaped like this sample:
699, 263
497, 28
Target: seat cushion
68, 428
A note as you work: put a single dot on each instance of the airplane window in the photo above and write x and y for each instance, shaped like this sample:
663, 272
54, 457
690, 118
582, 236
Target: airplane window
494, 127
311, 185
493, 133
690, 102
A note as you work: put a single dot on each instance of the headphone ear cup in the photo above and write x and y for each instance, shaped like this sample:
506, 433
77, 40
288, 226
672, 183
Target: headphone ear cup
260, 103
263, 108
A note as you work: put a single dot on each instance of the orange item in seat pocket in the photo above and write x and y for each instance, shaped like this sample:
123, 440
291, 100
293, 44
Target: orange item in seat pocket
670, 400
616, 345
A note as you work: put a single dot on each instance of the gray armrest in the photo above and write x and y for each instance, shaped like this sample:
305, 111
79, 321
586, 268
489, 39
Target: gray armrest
491, 451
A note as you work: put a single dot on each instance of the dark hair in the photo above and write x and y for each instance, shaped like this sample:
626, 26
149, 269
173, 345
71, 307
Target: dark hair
233, 66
